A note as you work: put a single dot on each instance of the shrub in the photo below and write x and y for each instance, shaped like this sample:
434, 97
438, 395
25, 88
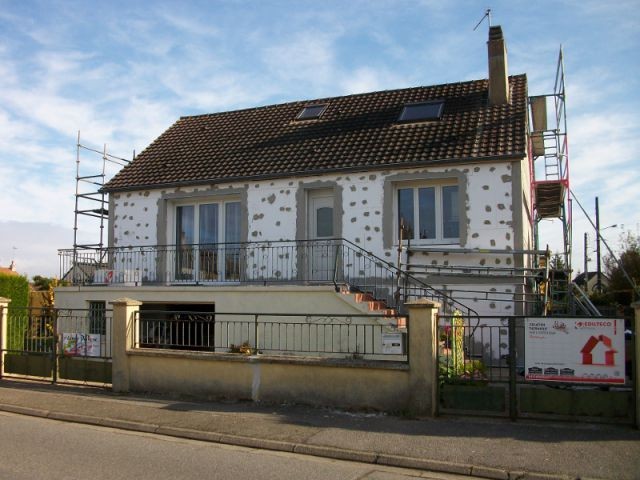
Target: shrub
16, 288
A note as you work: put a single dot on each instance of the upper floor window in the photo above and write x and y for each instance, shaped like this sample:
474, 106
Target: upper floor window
311, 112
429, 213
416, 112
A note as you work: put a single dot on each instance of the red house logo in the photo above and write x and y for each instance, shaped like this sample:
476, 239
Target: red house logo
589, 347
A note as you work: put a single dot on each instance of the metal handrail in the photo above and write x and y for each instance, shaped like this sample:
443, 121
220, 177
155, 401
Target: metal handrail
411, 283
332, 261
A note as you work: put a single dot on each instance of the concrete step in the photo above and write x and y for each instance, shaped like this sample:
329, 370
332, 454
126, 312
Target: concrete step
364, 297
377, 305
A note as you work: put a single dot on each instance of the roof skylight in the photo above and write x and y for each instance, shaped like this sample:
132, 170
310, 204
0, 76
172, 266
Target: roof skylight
312, 111
415, 112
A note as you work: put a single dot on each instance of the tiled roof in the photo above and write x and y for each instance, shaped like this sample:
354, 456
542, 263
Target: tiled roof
355, 132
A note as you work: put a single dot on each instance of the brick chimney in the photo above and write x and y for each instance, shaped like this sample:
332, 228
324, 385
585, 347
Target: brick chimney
498, 76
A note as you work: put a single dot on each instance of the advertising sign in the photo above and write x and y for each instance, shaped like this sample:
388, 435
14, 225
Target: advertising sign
576, 350
81, 344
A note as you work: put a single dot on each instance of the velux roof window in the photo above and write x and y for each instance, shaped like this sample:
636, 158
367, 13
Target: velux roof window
311, 112
417, 112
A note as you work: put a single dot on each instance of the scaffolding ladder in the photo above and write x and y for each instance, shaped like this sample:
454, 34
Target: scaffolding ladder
548, 148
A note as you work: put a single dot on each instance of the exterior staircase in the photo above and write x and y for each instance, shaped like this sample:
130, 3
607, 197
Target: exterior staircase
372, 305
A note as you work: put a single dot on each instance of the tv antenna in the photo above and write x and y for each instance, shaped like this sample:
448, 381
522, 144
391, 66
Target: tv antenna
486, 15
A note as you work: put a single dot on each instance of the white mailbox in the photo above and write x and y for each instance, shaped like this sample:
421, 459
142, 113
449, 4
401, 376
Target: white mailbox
393, 343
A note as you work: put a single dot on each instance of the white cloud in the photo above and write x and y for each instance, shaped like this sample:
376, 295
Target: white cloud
367, 79
189, 26
126, 79
33, 246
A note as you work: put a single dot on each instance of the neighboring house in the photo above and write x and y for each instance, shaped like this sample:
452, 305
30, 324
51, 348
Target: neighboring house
310, 195
10, 270
589, 281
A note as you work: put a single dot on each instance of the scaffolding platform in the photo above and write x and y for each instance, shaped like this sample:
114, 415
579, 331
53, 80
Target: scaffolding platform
550, 196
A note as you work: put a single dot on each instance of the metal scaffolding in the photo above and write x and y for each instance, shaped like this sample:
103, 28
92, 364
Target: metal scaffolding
550, 191
91, 202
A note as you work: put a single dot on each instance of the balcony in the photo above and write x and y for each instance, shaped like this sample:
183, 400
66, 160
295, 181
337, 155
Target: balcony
209, 264
337, 262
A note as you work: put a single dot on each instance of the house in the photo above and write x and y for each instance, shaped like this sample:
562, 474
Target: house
589, 280
10, 270
387, 195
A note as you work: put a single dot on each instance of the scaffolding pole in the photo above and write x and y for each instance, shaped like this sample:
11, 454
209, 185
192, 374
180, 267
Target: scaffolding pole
91, 202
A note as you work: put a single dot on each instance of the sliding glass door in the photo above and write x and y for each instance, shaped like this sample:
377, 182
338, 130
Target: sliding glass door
207, 237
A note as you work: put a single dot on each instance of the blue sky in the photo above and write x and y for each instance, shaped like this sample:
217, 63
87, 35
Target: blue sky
122, 72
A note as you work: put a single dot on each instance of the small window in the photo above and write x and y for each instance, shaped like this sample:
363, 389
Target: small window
97, 317
311, 111
415, 112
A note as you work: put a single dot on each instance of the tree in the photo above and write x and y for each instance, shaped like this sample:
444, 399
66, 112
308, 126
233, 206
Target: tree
557, 262
624, 288
16, 288
43, 283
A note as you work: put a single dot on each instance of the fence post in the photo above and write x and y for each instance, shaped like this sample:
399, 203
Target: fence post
54, 349
513, 390
123, 338
422, 329
4, 330
636, 361
255, 332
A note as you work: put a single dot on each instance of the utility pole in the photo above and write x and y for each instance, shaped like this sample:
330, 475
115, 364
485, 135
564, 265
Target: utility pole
598, 268
586, 262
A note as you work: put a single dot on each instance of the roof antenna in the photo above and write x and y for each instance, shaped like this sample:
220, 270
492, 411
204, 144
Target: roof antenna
486, 15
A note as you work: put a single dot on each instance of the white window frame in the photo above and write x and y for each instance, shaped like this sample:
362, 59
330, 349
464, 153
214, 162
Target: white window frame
415, 186
192, 202
195, 202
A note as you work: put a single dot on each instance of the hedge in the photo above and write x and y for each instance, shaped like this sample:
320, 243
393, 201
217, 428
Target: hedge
16, 288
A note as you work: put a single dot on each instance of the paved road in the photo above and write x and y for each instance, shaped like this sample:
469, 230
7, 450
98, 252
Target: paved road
491, 448
33, 448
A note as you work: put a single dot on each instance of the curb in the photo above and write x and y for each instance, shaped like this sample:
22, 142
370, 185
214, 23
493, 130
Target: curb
282, 446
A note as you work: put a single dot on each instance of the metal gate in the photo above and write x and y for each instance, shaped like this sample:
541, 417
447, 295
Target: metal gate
58, 345
482, 363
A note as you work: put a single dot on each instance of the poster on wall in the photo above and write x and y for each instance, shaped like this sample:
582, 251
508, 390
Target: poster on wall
81, 344
575, 350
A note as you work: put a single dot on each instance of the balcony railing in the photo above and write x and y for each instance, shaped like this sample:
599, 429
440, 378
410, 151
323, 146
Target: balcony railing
336, 262
233, 263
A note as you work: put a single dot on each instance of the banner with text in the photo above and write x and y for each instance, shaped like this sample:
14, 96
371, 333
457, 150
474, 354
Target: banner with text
81, 344
574, 350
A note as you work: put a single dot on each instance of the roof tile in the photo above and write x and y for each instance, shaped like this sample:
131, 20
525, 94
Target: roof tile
354, 133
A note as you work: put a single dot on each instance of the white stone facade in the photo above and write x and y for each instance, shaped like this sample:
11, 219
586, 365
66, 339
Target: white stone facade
494, 215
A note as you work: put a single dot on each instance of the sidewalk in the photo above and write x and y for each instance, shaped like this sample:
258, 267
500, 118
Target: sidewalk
491, 448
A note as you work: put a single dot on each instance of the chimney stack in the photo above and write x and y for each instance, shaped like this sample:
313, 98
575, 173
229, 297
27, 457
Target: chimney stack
498, 76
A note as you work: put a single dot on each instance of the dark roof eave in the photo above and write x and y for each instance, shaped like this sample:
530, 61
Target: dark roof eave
272, 176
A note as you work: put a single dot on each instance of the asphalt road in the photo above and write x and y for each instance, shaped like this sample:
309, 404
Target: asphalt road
34, 448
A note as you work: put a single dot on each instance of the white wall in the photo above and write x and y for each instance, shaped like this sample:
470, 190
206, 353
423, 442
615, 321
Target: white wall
272, 213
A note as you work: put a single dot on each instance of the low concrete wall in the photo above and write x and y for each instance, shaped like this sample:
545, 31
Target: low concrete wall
350, 383
273, 379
